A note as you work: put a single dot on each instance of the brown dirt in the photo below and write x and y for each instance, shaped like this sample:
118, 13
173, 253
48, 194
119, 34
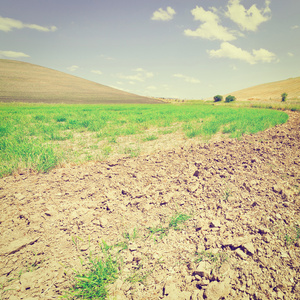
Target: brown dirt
29, 83
272, 90
242, 196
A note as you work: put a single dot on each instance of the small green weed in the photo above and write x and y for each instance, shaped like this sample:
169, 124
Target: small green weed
139, 276
150, 138
34, 264
106, 150
93, 283
215, 259
133, 152
178, 219
289, 240
226, 196
174, 223
61, 119
161, 231
129, 236
112, 140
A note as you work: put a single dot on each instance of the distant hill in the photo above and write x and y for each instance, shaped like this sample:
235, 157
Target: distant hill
270, 91
25, 82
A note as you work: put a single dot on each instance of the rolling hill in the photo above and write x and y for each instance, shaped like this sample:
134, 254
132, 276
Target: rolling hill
25, 82
270, 91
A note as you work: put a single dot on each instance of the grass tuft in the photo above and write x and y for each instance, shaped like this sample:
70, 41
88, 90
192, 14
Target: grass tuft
93, 283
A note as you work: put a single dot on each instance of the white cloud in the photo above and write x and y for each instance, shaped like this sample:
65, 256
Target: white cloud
187, 78
73, 68
210, 28
8, 24
140, 75
248, 19
295, 27
263, 55
230, 51
106, 57
290, 54
98, 72
12, 54
151, 88
163, 15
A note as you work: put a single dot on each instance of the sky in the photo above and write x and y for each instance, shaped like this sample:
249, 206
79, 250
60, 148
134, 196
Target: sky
192, 49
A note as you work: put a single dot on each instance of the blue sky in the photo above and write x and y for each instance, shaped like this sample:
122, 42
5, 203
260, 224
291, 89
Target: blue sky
162, 48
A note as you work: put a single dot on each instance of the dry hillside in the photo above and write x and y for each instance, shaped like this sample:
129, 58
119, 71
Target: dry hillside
270, 91
26, 82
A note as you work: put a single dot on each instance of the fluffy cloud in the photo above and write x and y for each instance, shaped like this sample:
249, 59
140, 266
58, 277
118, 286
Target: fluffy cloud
248, 19
140, 75
187, 78
12, 54
151, 88
230, 51
295, 27
290, 54
8, 24
210, 28
98, 72
73, 68
163, 15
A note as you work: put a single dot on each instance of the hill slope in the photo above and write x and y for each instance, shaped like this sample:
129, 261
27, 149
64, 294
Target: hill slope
271, 90
26, 82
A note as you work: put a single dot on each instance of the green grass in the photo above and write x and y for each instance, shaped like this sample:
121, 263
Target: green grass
39, 137
93, 282
177, 220
174, 223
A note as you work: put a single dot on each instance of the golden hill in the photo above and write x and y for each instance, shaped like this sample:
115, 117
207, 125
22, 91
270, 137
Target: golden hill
25, 82
270, 91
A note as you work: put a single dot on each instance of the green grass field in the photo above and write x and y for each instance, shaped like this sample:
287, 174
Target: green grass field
40, 137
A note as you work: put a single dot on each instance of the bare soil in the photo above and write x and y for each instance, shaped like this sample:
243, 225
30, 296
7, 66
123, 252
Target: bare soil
29, 83
242, 196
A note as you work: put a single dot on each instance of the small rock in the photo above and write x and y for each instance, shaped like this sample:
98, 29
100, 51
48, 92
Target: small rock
241, 254
249, 248
19, 196
103, 221
192, 188
277, 189
96, 222
203, 269
217, 290
200, 248
196, 174
205, 282
132, 247
169, 288
284, 254
27, 280
197, 295
263, 230
73, 215
18, 245
215, 223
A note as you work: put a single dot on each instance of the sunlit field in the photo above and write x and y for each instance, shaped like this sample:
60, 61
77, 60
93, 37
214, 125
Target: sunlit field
40, 137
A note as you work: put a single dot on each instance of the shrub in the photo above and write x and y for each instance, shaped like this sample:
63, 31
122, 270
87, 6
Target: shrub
230, 98
283, 97
218, 98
